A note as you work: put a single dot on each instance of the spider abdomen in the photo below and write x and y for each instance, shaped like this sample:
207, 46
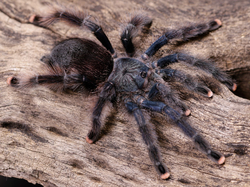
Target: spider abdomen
84, 57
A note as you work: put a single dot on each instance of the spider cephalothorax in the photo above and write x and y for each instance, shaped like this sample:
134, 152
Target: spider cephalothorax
81, 64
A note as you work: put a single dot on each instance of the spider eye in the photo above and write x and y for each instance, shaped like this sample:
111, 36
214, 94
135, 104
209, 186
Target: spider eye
143, 74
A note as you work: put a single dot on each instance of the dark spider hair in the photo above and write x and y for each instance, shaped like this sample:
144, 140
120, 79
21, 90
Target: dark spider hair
81, 64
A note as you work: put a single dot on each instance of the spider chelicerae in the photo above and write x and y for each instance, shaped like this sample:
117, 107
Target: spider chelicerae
139, 84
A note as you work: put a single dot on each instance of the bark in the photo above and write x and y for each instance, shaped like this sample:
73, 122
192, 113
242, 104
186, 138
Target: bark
42, 133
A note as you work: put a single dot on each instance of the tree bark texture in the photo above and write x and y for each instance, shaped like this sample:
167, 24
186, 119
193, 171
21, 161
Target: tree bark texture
42, 133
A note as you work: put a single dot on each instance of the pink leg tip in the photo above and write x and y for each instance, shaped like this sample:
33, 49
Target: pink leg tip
234, 87
32, 18
218, 22
187, 112
145, 56
210, 93
165, 176
114, 55
221, 160
88, 140
9, 79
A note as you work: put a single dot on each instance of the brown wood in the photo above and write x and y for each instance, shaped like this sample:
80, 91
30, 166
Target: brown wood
42, 133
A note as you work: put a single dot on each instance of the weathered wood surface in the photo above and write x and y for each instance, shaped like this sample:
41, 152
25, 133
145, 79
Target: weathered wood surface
42, 133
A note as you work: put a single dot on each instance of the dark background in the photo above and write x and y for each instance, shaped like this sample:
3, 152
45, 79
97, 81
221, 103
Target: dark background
14, 182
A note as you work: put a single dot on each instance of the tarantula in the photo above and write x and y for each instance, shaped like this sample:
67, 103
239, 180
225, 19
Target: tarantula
81, 64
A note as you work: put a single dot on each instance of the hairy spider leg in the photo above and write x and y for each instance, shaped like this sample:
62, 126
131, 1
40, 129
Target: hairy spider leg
74, 18
149, 139
202, 145
107, 94
183, 34
201, 64
160, 92
209, 68
186, 80
136, 24
54, 78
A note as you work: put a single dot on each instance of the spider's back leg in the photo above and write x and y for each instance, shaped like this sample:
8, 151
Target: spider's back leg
108, 93
74, 18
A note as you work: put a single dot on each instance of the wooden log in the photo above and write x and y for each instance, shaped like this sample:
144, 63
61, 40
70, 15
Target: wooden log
43, 133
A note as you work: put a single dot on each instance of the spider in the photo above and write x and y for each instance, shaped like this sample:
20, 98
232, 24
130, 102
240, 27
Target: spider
142, 86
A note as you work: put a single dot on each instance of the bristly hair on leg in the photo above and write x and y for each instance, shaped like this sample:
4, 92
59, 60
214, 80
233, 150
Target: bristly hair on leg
208, 67
74, 18
52, 76
211, 83
182, 34
70, 16
136, 24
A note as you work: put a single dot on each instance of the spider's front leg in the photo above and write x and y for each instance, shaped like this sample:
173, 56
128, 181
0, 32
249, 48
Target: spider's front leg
187, 80
134, 26
107, 94
149, 139
183, 34
184, 125
209, 68
164, 93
